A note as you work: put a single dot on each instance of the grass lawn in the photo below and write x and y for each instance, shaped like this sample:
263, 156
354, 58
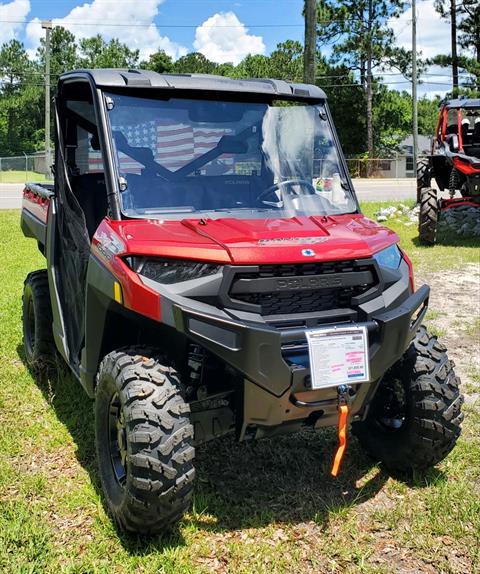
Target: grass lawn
448, 253
21, 177
265, 507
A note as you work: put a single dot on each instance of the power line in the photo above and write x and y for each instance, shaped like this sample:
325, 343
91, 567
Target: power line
131, 25
241, 25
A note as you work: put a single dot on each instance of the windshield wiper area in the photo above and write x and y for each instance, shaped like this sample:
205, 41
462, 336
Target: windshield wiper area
179, 209
233, 209
277, 204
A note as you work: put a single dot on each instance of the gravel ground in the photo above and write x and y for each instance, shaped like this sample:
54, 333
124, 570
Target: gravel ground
454, 315
460, 221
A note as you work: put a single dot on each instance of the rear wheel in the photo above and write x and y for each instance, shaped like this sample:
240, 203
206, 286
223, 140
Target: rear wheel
424, 176
144, 441
37, 321
428, 217
415, 418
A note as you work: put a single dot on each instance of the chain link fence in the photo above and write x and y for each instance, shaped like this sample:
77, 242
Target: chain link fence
33, 167
26, 167
397, 167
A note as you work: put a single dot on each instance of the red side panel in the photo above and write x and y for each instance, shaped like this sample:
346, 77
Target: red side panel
457, 202
109, 249
36, 205
466, 167
234, 241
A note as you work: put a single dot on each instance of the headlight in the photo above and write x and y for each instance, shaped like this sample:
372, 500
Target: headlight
168, 271
389, 257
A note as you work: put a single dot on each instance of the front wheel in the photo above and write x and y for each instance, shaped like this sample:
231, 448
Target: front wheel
143, 440
428, 217
415, 417
424, 175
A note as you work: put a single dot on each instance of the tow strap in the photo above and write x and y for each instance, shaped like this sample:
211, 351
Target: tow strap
343, 411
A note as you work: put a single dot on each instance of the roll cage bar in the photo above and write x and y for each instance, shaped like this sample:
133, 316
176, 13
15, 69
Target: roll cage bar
101, 80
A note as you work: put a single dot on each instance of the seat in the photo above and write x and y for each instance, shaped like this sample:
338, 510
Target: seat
465, 134
476, 132
91, 194
451, 129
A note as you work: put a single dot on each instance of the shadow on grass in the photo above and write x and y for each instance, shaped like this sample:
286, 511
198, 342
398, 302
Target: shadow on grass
239, 485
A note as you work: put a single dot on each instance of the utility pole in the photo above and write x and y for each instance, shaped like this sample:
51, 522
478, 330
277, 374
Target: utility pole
414, 87
310, 41
47, 26
453, 33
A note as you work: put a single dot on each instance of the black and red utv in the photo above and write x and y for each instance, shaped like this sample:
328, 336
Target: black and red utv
454, 163
209, 271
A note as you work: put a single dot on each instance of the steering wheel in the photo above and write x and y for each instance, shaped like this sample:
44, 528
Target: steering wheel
288, 184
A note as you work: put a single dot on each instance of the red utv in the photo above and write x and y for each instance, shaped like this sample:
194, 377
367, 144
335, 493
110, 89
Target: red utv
454, 164
209, 271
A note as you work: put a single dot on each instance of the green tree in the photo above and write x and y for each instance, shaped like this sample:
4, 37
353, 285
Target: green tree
428, 110
159, 62
226, 69
257, 66
194, 63
20, 97
286, 61
469, 39
346, 100
63, 53
392, 119
363, 42
14, 66
96, 53
464, 18
448, 10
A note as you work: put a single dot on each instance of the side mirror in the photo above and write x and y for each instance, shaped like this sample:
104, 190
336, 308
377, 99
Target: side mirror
453, 143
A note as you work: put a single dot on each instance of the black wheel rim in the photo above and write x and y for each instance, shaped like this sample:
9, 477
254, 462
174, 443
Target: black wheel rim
30, 327
117, 440
391, 406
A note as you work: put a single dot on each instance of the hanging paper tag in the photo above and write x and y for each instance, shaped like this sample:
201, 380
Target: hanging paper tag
338, 355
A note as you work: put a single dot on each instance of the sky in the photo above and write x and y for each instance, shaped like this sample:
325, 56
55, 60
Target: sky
224, 31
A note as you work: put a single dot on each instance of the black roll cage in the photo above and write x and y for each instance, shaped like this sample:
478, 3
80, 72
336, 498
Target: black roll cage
105, 134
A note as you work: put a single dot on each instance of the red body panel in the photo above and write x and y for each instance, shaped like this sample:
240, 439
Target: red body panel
256, 241
107, 247
35, 204
466, 167
456, 202
233, 241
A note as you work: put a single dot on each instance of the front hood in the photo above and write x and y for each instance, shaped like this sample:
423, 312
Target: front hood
251, 241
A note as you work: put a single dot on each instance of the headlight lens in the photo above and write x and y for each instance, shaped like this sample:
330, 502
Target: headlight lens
389, 257
169, 271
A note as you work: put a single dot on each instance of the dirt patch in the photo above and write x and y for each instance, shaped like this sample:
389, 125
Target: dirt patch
454, 315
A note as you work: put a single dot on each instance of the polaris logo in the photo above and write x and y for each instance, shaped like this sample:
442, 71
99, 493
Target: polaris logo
294, 240
295, 283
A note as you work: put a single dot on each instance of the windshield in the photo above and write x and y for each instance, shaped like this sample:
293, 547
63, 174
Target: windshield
215, 159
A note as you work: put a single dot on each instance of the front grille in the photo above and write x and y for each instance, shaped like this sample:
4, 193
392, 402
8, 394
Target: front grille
304, 269
301, 301
301, 288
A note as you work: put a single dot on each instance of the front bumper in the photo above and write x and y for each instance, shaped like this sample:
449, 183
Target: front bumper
275, 364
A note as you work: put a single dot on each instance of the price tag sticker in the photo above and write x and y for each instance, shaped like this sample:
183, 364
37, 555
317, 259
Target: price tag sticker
338, 355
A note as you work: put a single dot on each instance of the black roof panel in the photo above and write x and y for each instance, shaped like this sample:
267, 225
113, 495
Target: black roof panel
121, 78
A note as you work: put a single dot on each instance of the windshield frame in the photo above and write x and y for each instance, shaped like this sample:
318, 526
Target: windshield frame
220, 96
